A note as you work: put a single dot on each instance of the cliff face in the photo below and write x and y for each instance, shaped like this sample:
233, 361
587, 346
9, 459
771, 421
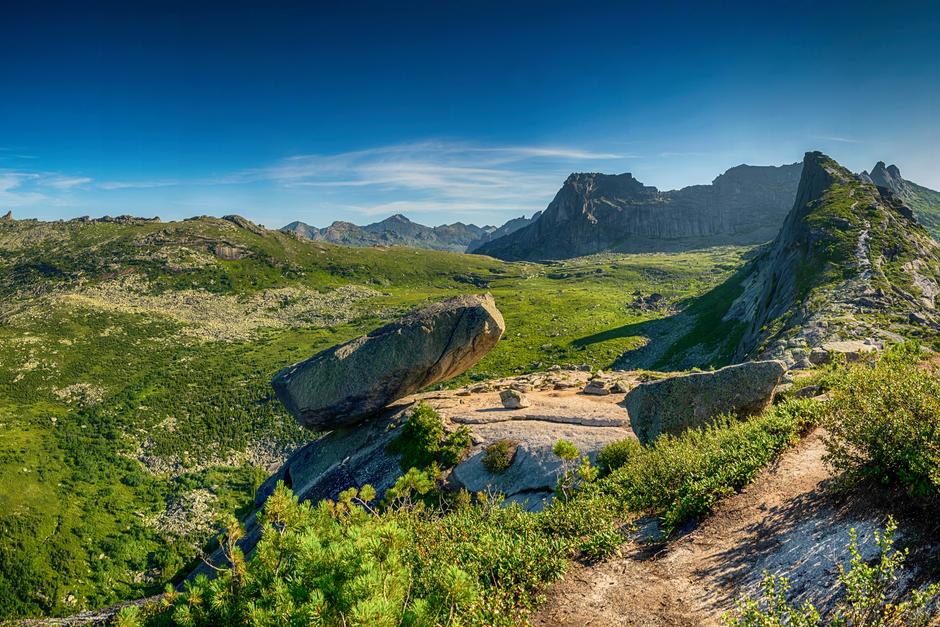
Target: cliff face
851, 262
599, 212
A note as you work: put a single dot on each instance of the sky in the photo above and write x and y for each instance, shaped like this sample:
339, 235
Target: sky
443, 111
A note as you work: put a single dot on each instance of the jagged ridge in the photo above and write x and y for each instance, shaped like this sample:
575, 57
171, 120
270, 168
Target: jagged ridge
851, 262
595, 212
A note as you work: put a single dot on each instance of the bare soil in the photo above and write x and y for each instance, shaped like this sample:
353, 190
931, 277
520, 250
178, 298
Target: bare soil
786, 522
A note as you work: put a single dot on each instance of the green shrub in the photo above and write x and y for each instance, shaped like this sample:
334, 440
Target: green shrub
498, 456
884, 425
618, 453
683, 477
424, 441
870, 588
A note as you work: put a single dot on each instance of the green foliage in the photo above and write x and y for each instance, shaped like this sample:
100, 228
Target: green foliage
883, 424
498, 456
179, 412
565, 450
617, 454
424, 441
682, 478
871, 590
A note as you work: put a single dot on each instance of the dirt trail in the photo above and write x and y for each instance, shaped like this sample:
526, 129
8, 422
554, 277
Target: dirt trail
783, 522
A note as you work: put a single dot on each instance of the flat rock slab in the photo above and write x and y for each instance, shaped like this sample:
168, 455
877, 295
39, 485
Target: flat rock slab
678, 403
589, 422
348, 383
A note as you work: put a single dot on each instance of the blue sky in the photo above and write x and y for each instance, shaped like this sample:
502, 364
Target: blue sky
471, 111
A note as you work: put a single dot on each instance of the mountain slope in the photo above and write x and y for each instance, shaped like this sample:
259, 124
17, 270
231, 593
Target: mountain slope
396, 230
509, 227
850, 263
597, 212
925, 202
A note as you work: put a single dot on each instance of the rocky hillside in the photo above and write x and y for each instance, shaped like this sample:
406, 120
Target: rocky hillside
600, 212
925, 202
397, 230
851, 264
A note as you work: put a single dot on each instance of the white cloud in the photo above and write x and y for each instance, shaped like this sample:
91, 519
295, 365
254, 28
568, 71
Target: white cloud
68, 182
14, 190
836, 138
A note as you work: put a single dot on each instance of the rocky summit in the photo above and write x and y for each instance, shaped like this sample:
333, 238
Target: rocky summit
352, 381
595, 212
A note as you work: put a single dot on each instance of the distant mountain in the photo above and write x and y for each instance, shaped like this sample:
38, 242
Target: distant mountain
601, 212
510, 227
925, 202
851, 263
397, 230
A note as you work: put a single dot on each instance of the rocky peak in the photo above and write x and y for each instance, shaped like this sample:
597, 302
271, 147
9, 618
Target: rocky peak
7, 217
594, 212
888, 177
244, 223
848, 249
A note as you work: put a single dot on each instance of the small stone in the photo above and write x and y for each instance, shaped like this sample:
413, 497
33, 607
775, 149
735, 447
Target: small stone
513, 399
596, 388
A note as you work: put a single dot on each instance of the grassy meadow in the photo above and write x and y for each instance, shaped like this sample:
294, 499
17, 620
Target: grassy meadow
135, 358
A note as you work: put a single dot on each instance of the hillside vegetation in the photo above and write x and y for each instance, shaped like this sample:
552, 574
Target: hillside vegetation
135, 358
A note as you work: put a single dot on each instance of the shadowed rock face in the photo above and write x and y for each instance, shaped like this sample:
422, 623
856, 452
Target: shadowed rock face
598, 212
679, 403
350, 382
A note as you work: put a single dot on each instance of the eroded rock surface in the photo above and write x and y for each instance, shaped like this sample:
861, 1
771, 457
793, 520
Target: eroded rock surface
348, 383
678, 403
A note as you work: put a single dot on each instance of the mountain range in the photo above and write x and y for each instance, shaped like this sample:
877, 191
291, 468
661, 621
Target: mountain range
397, 230
594, 212
851, 263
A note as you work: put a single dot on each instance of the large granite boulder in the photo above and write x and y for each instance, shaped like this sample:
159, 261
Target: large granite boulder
678, 403
345, 384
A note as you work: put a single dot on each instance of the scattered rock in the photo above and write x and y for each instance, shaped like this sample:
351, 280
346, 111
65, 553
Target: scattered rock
347, 383
675, 404
513, 399
230, 253
597, 387
851, 350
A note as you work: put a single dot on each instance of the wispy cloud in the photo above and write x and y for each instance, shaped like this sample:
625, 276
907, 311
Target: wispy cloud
437, 176
838, 139
16, 191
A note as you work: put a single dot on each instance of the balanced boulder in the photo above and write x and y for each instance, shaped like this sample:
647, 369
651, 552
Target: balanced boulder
348, 383
678, 403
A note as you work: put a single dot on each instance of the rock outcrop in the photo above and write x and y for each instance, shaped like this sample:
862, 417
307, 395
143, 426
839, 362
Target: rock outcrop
924, 202
851, 263
353, 381
678, 403
598, 212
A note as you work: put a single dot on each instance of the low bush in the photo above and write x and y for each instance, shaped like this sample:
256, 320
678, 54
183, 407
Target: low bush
884, 425
426, 559
424, 440
498, 456
870, 596
682, 478
617, 454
